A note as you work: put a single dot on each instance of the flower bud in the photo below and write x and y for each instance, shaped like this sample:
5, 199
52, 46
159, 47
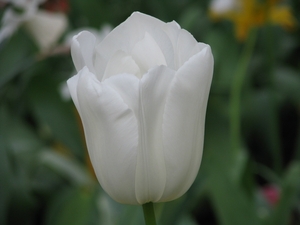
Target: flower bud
142, 94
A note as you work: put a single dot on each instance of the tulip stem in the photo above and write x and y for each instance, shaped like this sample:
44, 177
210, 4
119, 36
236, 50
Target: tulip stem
149, 214
236, 89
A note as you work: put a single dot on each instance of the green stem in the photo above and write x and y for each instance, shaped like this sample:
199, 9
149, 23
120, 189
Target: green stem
149, 214
236, 89
274, 117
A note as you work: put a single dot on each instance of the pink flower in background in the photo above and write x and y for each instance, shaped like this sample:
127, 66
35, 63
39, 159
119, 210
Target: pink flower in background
271, 194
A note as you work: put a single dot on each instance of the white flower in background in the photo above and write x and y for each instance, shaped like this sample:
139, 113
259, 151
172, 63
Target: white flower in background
45, 27
64, 91
16, 14
223, 6
142, 94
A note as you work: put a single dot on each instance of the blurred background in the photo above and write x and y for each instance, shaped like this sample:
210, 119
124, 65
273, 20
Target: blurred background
250, 172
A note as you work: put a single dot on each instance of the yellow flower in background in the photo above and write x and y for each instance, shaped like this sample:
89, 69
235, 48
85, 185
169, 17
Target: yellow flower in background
246, 14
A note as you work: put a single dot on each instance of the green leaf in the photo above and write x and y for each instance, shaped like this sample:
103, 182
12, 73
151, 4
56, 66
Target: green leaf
260, 111
187, 221
66, 167
5, 170
113, 213
287, 82
226, 57
70, 206
17, 150
233, 205
54, 113
16, 55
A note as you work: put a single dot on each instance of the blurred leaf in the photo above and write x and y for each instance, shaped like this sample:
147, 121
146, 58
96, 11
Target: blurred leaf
106, 209
15, 56
287, 82
174, 211
66, 167
187, 221
54, 113
88, 13
5, 170
132, 214
239, 166
70, 206
225, 56
114, 213
288, 196
21, 139
259, 117
18, 147
171, 212
190, 17
233, 206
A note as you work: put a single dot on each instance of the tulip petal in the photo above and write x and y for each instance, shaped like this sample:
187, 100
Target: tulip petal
111, 133
165, 45
186, 47
127, 86
172, 29
147, 98
121, 63
183, 123
151, 170
82, 50
147, 54
132, 31
72, 85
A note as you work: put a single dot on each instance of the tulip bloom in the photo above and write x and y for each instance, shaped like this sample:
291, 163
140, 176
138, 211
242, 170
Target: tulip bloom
142, 94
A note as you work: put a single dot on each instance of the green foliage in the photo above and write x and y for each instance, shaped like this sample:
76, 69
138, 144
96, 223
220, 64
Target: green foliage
45, 177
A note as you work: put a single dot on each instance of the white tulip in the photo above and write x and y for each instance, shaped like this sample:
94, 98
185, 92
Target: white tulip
142, 94
99, 34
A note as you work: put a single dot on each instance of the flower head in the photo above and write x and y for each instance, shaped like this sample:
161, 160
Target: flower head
142, 94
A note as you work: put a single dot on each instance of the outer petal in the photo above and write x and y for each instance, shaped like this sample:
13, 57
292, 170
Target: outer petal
72, 85
184, 44
82, 50
147, 98
111, 133
186, 47
151, 169
183, 124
